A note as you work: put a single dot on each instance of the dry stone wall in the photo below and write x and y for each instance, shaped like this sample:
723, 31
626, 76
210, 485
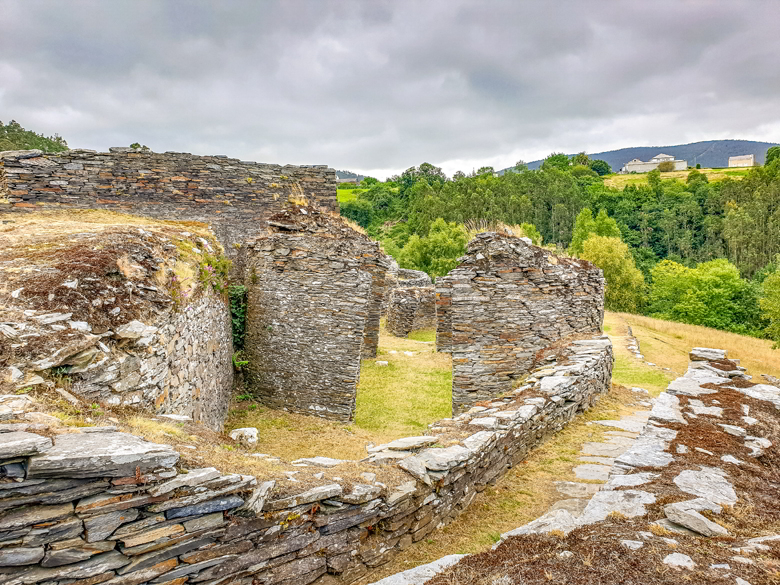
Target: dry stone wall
402, 278
315, 289
411, 309
504, 302
99, 506
104, 319
233, 196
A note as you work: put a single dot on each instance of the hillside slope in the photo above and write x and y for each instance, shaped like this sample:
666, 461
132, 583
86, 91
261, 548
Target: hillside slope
709, 153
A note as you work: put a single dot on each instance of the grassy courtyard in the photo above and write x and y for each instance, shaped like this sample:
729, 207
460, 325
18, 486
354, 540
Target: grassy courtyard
396, 400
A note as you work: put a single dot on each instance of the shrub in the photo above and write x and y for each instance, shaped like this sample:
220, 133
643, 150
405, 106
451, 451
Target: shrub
666, 166
238, 306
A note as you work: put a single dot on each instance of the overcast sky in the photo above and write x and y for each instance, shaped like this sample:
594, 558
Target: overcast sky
378, 86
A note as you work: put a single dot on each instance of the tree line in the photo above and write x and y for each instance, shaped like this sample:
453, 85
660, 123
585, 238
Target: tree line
686, 250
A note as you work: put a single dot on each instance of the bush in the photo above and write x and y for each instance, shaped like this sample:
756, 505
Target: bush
712, 294
666, 166
359, 210
770, 306
238, 305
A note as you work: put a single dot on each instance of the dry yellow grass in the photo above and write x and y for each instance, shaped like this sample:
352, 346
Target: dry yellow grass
667, 343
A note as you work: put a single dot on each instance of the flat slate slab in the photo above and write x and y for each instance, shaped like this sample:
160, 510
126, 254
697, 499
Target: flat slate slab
592, 471
629, 425
79, 455
603, 449
575, 489
421, 574
21, 444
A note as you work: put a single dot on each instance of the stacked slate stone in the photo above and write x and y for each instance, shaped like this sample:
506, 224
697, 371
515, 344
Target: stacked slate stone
232, 195
100, 506
315, 289
411, 309
403, 278
504, 302
121, 341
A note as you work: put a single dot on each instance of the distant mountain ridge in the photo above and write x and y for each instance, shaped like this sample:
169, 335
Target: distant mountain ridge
709, 153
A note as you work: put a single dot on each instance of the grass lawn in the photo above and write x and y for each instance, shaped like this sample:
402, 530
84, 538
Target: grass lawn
393, 401
713, 175
345, 195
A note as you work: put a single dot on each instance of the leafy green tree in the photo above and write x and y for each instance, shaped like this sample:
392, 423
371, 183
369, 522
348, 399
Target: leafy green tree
585, 225
369, 181
772, 154
425, 172
557, 160
529, 230
485, 171
438, 252
361, 211
712, 294
625, 284
600, 166
14, 137
580, 159
770, 306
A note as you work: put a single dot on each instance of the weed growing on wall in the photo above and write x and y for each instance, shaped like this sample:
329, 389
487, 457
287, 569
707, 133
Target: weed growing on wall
237, 294
213, 271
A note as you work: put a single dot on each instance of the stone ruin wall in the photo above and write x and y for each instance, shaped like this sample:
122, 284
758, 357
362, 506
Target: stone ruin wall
78, 514
410, 309
116, 335
315, 288
504, 302
180, 365
402, 278
231, 195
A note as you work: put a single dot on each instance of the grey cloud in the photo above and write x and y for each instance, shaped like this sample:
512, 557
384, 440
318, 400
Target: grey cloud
384, 85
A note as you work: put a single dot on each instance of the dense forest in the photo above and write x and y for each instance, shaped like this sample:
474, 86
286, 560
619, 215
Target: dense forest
691, 251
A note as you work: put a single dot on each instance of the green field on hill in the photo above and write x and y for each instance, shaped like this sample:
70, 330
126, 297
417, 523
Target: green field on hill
713, 175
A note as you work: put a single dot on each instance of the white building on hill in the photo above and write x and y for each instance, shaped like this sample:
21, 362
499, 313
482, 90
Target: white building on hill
638, 166
743, 160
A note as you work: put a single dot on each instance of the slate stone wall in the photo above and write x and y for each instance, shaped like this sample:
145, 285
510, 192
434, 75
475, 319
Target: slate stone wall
410, 309
402, 278
111, 318
76, 510
233, 196
505, 301
181, 364
315, 289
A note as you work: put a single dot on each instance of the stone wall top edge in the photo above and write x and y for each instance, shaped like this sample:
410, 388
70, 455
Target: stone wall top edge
118, 152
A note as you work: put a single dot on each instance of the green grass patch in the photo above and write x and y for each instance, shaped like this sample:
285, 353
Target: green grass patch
631, 372
405, 396
423, 335
345, 195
